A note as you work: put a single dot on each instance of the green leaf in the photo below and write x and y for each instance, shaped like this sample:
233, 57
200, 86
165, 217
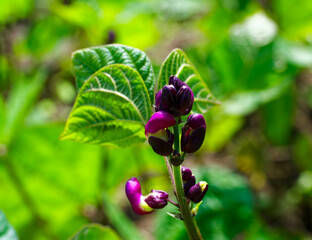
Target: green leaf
6, 230
179, 65
88, 61
2, 115
69, 183
111, 107
95, 232
22, 97
277, 118
244, 103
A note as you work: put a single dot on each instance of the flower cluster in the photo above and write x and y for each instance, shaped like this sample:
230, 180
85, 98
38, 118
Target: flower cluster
193, 192
172, 102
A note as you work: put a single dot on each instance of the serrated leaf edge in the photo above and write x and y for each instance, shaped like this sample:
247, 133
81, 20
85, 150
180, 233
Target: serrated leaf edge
66, 136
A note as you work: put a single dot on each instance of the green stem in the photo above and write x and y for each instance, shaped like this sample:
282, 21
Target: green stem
189, 222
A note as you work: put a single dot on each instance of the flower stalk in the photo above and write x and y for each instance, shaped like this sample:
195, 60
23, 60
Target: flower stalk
189, 222
172, 102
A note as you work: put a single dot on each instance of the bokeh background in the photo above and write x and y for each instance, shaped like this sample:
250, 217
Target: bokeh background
255, 56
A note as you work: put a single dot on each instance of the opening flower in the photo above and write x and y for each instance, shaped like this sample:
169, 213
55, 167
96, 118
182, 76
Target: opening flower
144, 204
197, 192
158, 134
193, 133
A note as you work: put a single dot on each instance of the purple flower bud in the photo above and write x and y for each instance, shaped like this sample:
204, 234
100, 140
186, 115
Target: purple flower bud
189, 183
162, 142
166, 99
158, 100
193, 133
176, 82
157, 199
176, 98
197, 192
159, 121
196, 121
185, 99
135, 197
186, 173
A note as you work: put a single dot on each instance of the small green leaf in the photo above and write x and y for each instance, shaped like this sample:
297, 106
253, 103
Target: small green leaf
195, 209
95, 232
6, 230
175, 215
88, 61
179, 65
112, 107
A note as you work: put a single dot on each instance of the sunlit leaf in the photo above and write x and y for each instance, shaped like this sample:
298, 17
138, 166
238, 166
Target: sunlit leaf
246, 102
111, 107
223, 130
6, 230
95, 232
87, 61
22, 96
179, 65
68, 182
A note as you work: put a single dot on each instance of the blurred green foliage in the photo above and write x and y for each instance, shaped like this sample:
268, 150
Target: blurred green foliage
254, 55
94, 231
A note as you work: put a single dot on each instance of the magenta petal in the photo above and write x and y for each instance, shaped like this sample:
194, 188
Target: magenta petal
135, 197
159, 120
133, 191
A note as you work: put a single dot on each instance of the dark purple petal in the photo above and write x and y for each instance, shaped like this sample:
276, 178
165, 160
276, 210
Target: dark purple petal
176, 82
197, 192
192, 143
196, 121
135, 197
157, 100
162, 142
186, 130
186, 173
168, 93
189, 183
184, 100
160, 146
193, 133
170, 137
159, 120
157, 199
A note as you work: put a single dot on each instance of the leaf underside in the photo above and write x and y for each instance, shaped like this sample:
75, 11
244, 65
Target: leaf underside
112, 107
179, 65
